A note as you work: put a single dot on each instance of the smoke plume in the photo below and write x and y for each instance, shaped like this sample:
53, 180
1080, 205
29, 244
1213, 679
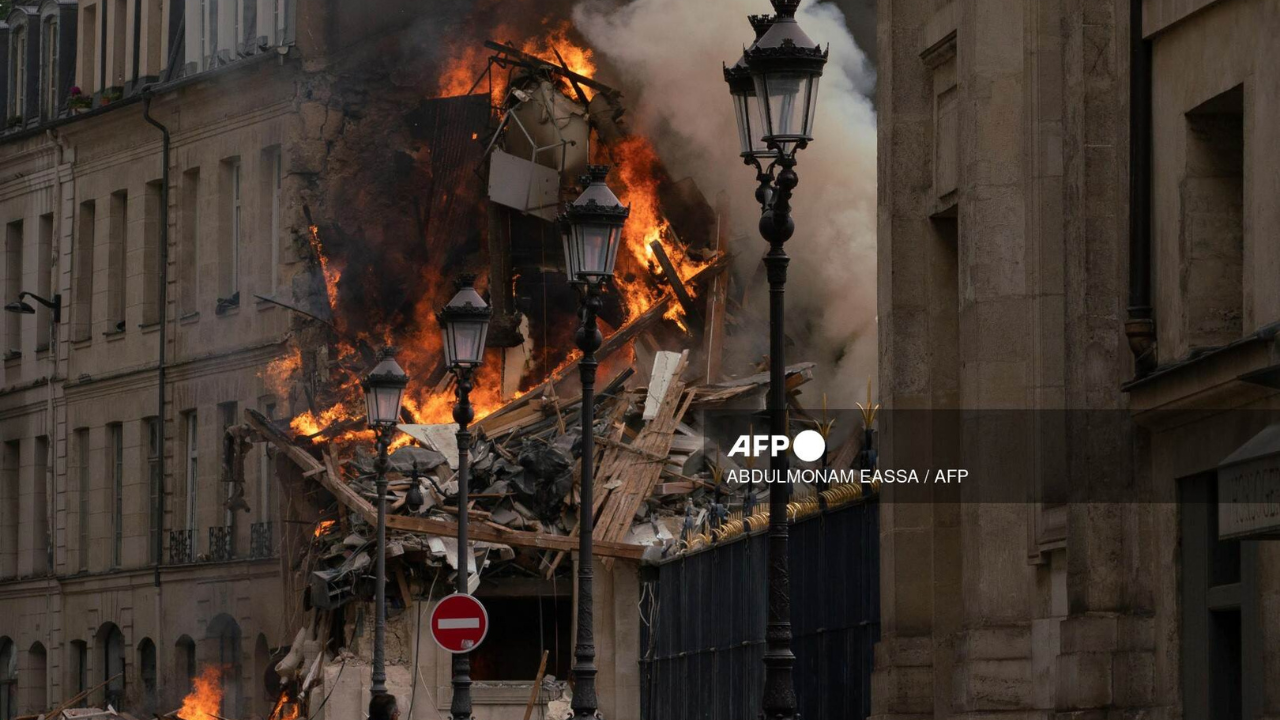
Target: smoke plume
668, 55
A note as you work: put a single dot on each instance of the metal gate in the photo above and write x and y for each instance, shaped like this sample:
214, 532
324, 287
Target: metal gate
703, 618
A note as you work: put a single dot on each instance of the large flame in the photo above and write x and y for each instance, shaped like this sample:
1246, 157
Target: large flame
204, 702
639, 280
464, 71
636, 170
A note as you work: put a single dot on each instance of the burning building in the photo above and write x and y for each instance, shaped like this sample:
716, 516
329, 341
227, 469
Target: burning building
231, 206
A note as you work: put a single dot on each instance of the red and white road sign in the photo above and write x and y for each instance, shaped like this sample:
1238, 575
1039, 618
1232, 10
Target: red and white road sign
459, 623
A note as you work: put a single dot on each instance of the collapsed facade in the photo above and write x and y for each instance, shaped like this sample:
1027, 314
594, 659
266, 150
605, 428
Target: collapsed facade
234, 205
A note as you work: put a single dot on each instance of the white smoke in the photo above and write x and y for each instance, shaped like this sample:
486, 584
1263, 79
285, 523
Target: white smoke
668, 55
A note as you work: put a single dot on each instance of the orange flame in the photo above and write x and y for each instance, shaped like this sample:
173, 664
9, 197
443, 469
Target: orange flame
468, 60
636, 168
204, 702
324, 526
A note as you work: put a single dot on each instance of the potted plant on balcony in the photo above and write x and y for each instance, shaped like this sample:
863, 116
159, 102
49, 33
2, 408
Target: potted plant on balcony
78, 102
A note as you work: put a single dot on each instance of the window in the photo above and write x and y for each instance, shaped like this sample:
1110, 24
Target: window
8, 679
147, 673
49, 69
517, 652
155, 36
227, 413
9, 464
229, 247
1221, 677
39, 533
277, 21
118, 39
38, 681
155, 509
212, 24
18, 72
190, 421
115, 448
117, 255
84, 490
274, 178
88, 48
78, 669
184, 662
188, 284
44, 278
151, 254
110, 645
1212, 223
82, 264
12, 287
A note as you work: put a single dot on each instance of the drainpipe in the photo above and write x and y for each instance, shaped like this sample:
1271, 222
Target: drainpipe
1140, 326
163, 301
51, 535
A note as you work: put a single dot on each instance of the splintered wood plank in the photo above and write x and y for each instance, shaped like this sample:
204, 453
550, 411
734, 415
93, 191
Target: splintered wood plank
639, 477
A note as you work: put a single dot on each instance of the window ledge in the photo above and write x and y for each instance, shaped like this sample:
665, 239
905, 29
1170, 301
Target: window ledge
228, 306
189, 318
148, 328
113, 335
12, 356
82, 342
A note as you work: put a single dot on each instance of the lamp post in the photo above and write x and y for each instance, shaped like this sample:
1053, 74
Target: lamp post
592, 227
383, 393
775, 116
464, 323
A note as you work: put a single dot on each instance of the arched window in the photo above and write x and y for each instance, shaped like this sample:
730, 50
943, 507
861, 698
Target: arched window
184, 664
147, 673
109, 645
77, 669
222, 647
35, 682
8, 680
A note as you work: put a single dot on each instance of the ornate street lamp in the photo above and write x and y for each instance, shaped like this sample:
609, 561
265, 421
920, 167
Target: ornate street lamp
750, 116
785, 66
592, 227
464, 324
383, 392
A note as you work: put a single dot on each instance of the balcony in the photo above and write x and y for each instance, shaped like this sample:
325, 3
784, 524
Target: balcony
181, 547
222, 543
261, 541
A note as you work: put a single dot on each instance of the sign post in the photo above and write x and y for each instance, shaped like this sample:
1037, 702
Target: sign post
459, 623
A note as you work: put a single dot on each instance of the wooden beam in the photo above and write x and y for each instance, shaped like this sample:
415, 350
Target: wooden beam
518, 538
677, 285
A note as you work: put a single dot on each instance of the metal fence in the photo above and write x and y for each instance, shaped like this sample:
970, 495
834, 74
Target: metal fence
703, 617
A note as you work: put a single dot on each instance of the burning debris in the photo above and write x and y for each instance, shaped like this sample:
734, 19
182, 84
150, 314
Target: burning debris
497, 164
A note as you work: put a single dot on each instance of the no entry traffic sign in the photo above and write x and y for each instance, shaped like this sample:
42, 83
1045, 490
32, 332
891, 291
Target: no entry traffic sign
458, 623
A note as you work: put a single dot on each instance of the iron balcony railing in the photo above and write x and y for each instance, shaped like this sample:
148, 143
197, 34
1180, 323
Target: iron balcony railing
261, 541
221, 545
181, 547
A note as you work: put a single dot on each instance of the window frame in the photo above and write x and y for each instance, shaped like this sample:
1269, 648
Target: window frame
115, 450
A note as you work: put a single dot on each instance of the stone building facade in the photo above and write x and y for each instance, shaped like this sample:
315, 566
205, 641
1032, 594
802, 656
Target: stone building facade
1074, 213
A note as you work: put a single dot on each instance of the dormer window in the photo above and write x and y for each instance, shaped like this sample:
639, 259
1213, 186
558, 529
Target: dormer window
49, 70
17, 74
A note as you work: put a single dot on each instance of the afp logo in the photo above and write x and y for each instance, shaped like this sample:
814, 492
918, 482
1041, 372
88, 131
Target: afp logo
808, 445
